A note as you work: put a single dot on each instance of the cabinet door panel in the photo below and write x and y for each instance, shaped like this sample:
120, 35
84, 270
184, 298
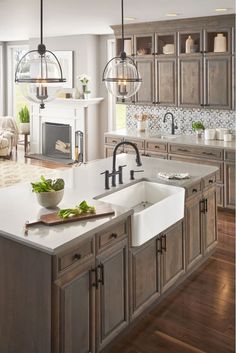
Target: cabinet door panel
190, 81
77, 314
112, 295
146, 92
230, 185
166, 81
209, 220
145, 276
218, 81
173, 257
193, 232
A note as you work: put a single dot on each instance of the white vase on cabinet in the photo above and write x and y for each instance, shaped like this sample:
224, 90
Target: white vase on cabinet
220, 43
189, 44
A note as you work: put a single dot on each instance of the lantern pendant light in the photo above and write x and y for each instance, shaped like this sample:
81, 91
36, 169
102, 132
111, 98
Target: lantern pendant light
39, 72
121, 75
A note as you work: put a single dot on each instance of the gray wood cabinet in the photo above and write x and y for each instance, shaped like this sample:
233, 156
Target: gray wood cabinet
194, 246
190, 81
209, 226
166, 78
230, 185
172, 257
146, 93
77, 312
145, 274
218, 81
112, 295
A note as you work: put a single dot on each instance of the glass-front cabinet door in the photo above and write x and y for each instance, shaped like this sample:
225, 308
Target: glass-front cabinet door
190, 42
166, 44
144, 45
217, 41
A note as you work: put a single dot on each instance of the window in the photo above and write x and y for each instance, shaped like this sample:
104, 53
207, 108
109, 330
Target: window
1, 80
15, 97
120, 116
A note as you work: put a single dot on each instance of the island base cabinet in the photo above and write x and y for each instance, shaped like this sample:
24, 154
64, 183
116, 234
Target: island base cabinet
145, 276
194, 247
209, 226
172, 256
112, 293
76, 299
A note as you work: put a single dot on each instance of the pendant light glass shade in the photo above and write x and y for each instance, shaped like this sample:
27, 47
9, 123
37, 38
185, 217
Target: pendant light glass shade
39, 73
121, 75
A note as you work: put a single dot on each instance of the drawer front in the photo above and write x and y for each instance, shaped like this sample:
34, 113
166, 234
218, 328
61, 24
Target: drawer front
229, 155
132, 151
110, 140
193, 190
156, 155
112, 235
139, 143
209, 181
154, 146
218, 164
204, 152
77, 255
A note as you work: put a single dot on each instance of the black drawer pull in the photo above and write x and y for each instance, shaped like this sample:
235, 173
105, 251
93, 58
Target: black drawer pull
163, 237
159, 248
208, 153
101, 279
182, 150
114, 141
211, 181
114, 235
76, 257
194, 190
156, 146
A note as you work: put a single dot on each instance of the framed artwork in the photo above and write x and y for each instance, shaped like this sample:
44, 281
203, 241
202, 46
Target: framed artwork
66, 59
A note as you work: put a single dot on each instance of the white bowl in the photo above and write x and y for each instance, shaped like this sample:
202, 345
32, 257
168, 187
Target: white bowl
50, 199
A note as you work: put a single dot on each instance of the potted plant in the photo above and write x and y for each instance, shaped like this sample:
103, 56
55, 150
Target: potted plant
49, 192
198, 127
84, 79
24, 117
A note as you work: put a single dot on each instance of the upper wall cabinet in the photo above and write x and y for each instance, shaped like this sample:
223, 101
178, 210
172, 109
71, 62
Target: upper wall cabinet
186, 63
128, 45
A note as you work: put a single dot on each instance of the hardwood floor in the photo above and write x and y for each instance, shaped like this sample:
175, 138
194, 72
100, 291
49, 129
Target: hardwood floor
199, 315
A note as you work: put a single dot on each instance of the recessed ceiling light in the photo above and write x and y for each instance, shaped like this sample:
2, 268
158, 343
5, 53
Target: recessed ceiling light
172, 14
130, 18
222, 9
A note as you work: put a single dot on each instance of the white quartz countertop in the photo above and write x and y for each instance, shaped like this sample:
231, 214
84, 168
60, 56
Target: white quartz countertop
178, 139
18, 204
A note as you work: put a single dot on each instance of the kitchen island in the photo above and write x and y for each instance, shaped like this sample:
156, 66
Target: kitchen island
75, 287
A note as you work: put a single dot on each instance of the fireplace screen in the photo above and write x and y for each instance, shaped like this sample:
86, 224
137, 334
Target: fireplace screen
56, 140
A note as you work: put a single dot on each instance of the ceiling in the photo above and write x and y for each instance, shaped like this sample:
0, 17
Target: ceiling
19, 20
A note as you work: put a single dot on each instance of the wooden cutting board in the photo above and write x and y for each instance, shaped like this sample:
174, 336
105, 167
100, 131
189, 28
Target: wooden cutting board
52, 219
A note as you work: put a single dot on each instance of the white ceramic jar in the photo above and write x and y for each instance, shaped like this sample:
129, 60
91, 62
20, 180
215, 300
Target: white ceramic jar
220, 43
209, 134
221, 132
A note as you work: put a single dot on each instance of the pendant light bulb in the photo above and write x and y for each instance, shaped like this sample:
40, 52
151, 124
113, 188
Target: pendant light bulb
39, 73
121, 75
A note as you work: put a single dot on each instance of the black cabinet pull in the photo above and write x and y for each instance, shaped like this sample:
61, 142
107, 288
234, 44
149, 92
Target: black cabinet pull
202, 206
163, 237
211, 181
114, 235
182, 150
76, 257
208, 153
159, 247
95, 284
156, 146
206, 205
194, 190
101, 279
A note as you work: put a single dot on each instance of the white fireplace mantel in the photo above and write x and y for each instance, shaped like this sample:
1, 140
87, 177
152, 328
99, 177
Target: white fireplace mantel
74, 112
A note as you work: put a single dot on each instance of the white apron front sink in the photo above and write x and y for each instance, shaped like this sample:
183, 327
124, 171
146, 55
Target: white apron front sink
156, 207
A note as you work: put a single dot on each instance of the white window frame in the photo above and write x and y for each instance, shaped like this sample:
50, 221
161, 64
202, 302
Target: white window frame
11, 77
1, 81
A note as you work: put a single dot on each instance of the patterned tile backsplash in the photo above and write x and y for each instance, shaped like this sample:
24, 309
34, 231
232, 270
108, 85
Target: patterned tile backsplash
183, 118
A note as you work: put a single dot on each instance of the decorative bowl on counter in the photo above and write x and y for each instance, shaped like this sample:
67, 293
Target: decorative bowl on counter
50, 199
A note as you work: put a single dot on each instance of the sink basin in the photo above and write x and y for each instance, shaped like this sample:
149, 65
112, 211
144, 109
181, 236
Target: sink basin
156, 207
